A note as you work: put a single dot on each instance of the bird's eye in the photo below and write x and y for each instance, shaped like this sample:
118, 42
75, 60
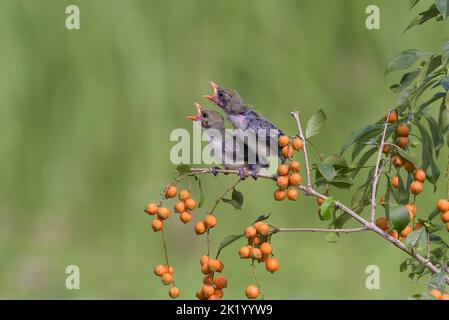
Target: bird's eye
220, 95
204, 115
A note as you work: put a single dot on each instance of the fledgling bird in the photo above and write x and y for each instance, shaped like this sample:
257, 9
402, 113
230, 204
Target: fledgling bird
225, 147
246, 119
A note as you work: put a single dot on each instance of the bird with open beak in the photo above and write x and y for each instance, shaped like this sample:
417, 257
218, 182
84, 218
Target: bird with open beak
249, 122
224, 146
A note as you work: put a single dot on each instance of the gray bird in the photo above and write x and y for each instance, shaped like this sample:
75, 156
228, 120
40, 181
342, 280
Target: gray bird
226, 149
248, 122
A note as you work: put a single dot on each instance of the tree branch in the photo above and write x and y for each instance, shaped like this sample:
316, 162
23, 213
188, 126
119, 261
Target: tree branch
278, 229
295, 115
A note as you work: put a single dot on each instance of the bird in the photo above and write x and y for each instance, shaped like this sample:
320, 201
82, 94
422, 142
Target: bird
248, 122
227, 150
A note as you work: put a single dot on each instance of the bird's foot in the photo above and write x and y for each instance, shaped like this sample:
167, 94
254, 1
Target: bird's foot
242, 173
214, 171
255, 174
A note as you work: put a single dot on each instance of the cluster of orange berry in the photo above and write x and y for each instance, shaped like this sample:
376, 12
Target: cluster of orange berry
437, 294
260, 250
165, 272
443, 207
288, 172
183, 207
383, 224
212, 288
207, 223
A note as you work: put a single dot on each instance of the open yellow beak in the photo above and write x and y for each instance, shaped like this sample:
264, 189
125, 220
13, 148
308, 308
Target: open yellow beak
199, 109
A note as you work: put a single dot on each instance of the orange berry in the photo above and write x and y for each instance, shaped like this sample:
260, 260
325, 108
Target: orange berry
220, 266
190, 204
272, 264
208, 290
250, 232
283, 170
245, 252
395, 182
157, 225
252, 292
217, 293
297, 143
256, 253
387, 149
394, 234
295, 179
319, 201
282, 182
205, 269
280, 195
287, 152
283, 141
199, 294
417, 226
406, 231
445, 296
402, 142
411, 210
295, 166
167, 278
420, 175
382, 223
180, 207
171, 192
214, 265
184, 195
185, 217
402, 130
200, 227
221, 282
416, 187
208, 279
443, 205
445, 216
213, 297
292, 194
173, 292
397, 161
409, 166
151, 209
392, 117
163, 213
210, 221
204, 259
159, 270
263, 229
266, 248
254, 241
169, 269
436, 293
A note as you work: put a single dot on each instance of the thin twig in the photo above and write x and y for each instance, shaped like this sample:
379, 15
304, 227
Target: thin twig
278, 229
295, 115
317, 151
377, 172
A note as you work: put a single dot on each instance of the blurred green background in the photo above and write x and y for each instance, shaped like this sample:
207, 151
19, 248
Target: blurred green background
85, 118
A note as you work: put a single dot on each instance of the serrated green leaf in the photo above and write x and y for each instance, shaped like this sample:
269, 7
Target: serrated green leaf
327, 208
406, 59
227, 241
416, 239
327, 171
315, 124
183, 168
399, 217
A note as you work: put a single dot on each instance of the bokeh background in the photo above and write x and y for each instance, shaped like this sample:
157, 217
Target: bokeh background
85, 118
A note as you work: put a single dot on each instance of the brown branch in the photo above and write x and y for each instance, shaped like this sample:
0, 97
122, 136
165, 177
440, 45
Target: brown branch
295, 115
378, 172
278, 229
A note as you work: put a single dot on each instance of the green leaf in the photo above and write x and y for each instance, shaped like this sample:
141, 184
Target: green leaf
424, 16
336, 161
368, 154
445, 82
327, 208
443, 7
202, 198
332, 237
399, 217
327, 170
315, 124
237, 196
438, 281
437, 137
233, 203
262, 217
433, 214
183, 168
406, 59
435, 97
403, 266
412, 3
417, 239
227, 241
428, 161
369, 131
445, 54
403, 194
408, 156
